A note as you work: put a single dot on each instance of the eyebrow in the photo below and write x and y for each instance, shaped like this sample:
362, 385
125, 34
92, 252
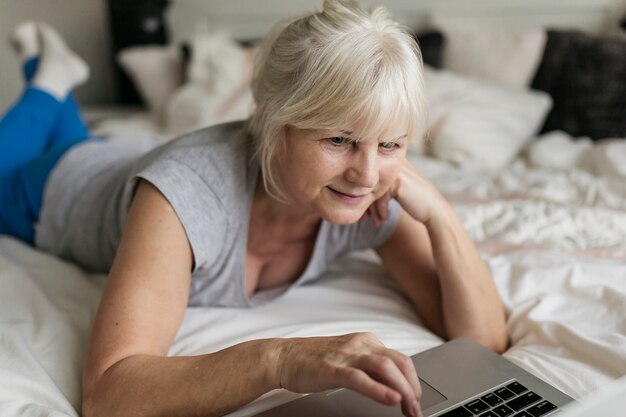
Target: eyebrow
392, 140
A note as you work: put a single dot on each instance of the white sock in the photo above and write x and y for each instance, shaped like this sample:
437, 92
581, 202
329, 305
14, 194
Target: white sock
60, 69
25, 40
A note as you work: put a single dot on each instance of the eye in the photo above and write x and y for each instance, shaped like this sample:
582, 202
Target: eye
338, 140
388, 146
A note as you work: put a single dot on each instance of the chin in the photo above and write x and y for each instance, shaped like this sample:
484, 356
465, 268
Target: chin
345, 216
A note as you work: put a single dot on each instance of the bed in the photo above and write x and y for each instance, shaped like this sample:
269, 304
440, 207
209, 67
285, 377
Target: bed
548, 212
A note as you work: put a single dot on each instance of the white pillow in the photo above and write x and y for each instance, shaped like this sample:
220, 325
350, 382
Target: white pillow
156, 71
500, 54
217, 89
476, 124
606, 159
558, 150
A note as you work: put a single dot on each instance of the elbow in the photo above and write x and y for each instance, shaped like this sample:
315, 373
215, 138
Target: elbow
497, 341
90, 406
493, 334
99, 404
498, 344
87, 407
97, 398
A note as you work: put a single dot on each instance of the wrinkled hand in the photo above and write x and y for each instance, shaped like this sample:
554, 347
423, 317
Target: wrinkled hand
357, 361
417, 196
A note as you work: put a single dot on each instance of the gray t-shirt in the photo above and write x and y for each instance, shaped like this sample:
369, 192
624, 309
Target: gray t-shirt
209, 177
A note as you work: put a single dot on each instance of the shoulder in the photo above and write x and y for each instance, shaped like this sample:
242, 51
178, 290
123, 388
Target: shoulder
203, 176
220, 143
219, 156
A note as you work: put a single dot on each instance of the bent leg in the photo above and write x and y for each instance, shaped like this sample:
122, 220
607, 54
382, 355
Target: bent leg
21, 194
26, 128
70, 128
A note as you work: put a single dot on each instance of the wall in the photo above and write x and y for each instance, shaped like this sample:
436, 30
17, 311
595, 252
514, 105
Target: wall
84, 24
596, 16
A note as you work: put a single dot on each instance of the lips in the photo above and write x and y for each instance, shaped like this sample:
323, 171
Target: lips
348, 198
348, 195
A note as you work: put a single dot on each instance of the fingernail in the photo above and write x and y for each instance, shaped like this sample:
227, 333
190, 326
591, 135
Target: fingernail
416, 411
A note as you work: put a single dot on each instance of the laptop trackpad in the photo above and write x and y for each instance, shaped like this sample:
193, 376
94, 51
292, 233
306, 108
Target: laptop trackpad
430, 396
353, 404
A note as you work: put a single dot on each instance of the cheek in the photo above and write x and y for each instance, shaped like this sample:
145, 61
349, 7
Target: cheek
390, 170
322, 165
308, 174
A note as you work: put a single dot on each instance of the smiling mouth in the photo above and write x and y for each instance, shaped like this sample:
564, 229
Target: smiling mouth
347, 196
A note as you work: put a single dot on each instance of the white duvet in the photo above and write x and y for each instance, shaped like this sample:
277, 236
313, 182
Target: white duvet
555, 240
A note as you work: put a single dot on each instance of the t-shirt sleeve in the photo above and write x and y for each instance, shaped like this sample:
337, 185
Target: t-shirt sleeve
361, 235
197, 206
367, 235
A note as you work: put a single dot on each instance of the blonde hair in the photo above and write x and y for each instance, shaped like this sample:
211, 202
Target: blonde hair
324, 70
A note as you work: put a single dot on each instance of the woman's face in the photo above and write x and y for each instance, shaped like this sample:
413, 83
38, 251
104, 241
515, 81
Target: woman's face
330, 174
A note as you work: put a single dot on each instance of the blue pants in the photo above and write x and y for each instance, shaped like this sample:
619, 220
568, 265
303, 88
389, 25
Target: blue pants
34, 135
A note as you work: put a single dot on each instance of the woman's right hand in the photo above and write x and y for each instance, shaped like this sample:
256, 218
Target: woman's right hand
358, 361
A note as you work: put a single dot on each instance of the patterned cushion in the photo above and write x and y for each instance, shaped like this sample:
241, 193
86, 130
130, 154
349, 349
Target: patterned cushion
586, 77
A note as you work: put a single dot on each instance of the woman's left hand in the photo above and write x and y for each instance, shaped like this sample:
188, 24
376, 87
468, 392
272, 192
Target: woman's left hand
417, 196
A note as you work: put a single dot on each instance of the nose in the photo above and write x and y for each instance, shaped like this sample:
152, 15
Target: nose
363, 169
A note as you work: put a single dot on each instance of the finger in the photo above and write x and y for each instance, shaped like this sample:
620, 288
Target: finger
359, 381
382, 205
384, 369
405, 364
373, 210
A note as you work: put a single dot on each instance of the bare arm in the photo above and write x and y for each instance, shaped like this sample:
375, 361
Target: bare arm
436, 263
128, 371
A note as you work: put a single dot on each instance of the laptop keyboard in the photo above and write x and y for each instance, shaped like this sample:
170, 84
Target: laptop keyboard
512, 400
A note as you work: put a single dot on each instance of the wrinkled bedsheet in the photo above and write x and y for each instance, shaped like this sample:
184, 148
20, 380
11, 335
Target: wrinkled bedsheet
555, 241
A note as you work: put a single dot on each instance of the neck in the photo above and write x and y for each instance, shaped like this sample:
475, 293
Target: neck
288, 220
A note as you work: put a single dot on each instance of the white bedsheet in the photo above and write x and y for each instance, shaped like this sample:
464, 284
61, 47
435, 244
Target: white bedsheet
555, 240
567, 321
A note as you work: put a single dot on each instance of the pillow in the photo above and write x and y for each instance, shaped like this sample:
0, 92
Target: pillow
431, 46
217, 89
609, 158
586, 77
504, 55
558, 150
156, 71
477, 124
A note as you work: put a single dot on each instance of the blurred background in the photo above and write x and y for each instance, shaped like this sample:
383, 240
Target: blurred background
96, 29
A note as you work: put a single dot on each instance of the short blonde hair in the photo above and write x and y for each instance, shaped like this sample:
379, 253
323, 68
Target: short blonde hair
324, 70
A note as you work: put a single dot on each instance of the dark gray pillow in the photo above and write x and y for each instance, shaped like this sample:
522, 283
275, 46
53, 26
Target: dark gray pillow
586, 77
431, 45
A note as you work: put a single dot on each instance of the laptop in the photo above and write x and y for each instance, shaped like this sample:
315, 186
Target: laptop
459, 378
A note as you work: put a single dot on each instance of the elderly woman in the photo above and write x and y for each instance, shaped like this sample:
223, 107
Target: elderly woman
234, 215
